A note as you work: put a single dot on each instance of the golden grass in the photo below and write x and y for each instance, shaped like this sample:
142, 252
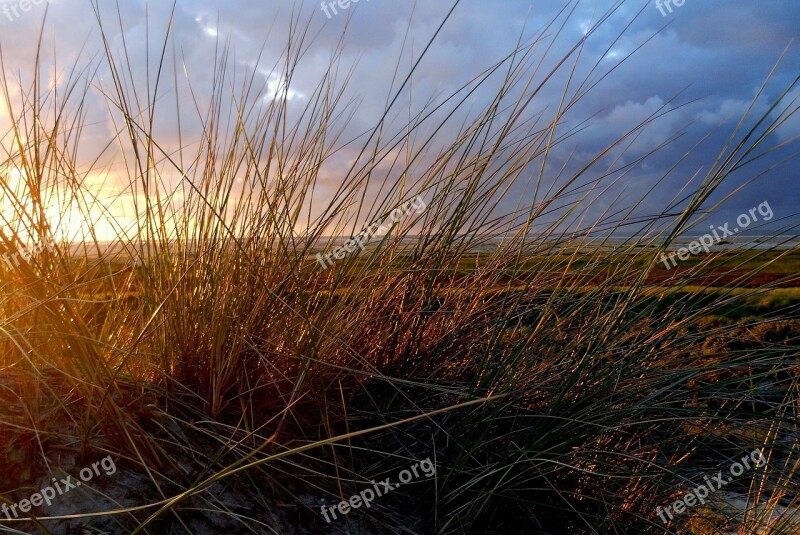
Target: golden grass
553, 381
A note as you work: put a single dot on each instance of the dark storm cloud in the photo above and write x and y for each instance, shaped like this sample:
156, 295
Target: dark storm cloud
713, 53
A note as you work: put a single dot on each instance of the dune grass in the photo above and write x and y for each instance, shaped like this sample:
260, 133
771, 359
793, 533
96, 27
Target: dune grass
556, 385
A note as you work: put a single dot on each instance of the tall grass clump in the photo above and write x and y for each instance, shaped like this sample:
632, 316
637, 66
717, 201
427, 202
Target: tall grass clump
558, 379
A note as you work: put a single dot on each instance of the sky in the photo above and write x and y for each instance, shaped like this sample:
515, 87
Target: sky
698, 65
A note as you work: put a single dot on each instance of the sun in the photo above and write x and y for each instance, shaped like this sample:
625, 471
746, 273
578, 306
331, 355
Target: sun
96, 211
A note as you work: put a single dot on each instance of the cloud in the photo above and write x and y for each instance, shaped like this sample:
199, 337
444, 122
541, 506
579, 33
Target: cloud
712, 52
789, 116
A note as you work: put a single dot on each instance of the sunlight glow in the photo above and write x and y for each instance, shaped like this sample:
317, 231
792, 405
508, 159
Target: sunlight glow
104, 215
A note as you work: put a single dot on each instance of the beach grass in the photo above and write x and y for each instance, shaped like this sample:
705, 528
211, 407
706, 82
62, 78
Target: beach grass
560, 382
